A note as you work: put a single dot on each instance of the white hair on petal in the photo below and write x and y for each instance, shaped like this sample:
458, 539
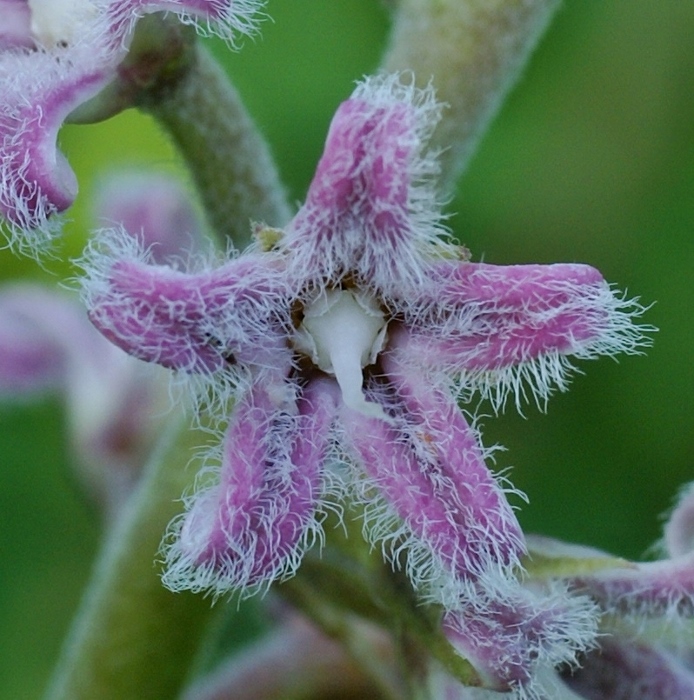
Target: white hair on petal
234, 573
23, 76
33, 230
109, 246
244, 324
496, 583
496, 573
333, 256
535, 378
216, 393
433, 578
568, 626
237, 17
231, 17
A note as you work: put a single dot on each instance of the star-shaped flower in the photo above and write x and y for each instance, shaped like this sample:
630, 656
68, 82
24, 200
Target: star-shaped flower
357, 326
55, 55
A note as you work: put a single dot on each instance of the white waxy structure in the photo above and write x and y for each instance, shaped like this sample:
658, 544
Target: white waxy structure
60, 22
343, 332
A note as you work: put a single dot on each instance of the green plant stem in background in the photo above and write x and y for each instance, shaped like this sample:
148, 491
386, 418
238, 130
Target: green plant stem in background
474, 52
168, 74
228, 158
349, 630
338, 592
133, 639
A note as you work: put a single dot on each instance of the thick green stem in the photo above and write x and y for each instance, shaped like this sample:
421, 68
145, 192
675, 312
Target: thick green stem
228, 158
474, 52
132, 639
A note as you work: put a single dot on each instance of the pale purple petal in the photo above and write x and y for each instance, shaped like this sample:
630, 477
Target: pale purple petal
511, 328
630, 671
645, 590
494, 316
155, 209
429, 466
251, 526
510, 640
38, 93
15, 24
678, 535
196, 322
113, 402
32, 358
46, 338
366, 211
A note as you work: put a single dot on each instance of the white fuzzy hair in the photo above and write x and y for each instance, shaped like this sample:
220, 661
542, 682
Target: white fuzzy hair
332, 256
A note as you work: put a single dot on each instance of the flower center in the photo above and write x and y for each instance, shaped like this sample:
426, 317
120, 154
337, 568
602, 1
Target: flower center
59, 22
342, 332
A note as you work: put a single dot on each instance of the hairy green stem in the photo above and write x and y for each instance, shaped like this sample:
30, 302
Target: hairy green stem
228, 158
474, 52
332, 590
344, 626
132, 639
419, 629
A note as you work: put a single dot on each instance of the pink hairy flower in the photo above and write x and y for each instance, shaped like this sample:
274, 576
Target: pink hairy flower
351, 333
642, 595
644, 649
55, 55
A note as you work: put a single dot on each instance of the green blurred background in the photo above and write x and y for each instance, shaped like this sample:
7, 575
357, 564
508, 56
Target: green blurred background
591, 160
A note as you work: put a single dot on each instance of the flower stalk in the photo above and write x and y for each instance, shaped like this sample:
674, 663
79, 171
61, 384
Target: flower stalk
132, 638
473, 51
228, 158
371, 591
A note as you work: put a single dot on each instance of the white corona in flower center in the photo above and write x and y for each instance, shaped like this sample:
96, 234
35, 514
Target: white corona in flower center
60, 22
342, 332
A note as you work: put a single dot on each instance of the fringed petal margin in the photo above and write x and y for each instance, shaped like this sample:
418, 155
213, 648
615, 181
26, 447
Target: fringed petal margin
196, 322
511, 329
370, 208
429, 467
36, 181
223, 18
511, 642
251, 525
